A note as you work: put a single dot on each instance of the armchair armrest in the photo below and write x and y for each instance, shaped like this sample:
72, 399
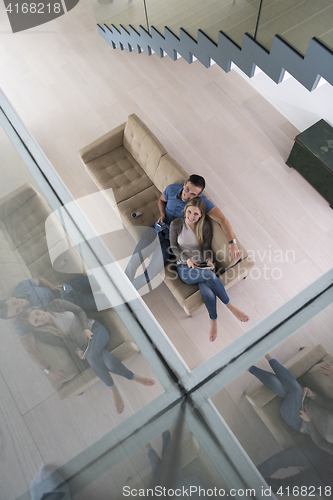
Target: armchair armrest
108, 142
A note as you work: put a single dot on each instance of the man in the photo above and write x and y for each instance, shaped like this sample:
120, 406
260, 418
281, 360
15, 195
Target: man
171, 205
39, 292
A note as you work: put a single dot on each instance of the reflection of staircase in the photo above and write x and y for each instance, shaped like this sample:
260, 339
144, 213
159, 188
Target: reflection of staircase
216, 31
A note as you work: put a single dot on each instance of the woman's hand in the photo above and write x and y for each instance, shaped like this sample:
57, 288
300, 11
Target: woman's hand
56, 288
210, 264
327, 370
57, 374
310, 393
161, 219
88, 334
304, 414
191, 263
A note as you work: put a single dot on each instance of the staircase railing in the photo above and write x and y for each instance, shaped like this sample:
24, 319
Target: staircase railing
281, 57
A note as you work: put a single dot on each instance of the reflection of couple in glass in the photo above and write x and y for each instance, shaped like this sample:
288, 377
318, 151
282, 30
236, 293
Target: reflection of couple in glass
65, 323
57, 316
309, 413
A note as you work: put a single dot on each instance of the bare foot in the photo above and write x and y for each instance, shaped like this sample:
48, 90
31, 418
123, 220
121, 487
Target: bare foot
147, 446
213, 331
268, 355
144, 380
118, 400
238, 313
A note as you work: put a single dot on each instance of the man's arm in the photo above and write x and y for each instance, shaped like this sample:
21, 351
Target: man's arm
28, 342
216, 214
161, 206
46, 284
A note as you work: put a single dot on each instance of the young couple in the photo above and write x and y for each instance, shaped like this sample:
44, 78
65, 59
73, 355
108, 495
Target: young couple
309, 413
62, 322
188, 236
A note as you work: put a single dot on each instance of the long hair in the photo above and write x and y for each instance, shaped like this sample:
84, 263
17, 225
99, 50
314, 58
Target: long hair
24, 322
201, 205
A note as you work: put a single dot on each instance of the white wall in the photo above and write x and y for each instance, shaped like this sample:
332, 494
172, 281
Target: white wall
301, 107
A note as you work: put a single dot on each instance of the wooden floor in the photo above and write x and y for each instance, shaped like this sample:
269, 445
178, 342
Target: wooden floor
70, 87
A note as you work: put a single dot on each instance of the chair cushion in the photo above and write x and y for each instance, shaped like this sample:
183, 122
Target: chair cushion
142, 144
121, 172
23, 213
220, 248
169, 172
145, 202
317, 380
103, 145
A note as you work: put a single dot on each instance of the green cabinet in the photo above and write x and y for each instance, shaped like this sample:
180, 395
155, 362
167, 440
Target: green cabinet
312, 157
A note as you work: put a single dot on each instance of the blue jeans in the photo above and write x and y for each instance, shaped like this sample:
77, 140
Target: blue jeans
157, 463
284, 384
48, 483
209, 284
82, 294
306, 454
151, 243
318, 463
102, 361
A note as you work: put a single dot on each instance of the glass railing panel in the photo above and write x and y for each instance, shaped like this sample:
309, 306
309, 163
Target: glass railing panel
165, 458
57, 404
297, 21
285, 429
233, 18
120, 12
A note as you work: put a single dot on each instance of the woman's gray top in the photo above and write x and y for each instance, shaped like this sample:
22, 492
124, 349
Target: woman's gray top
184, 243
71, 320
321, 426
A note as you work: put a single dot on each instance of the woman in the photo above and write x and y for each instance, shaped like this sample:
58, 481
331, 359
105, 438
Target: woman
302, 409
63, 322
190, 238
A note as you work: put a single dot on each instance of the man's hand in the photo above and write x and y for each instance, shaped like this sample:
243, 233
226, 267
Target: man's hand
44, 282
327, 370
191, 264
88, 334
162, 202
57, 374
234, 252
304, 414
